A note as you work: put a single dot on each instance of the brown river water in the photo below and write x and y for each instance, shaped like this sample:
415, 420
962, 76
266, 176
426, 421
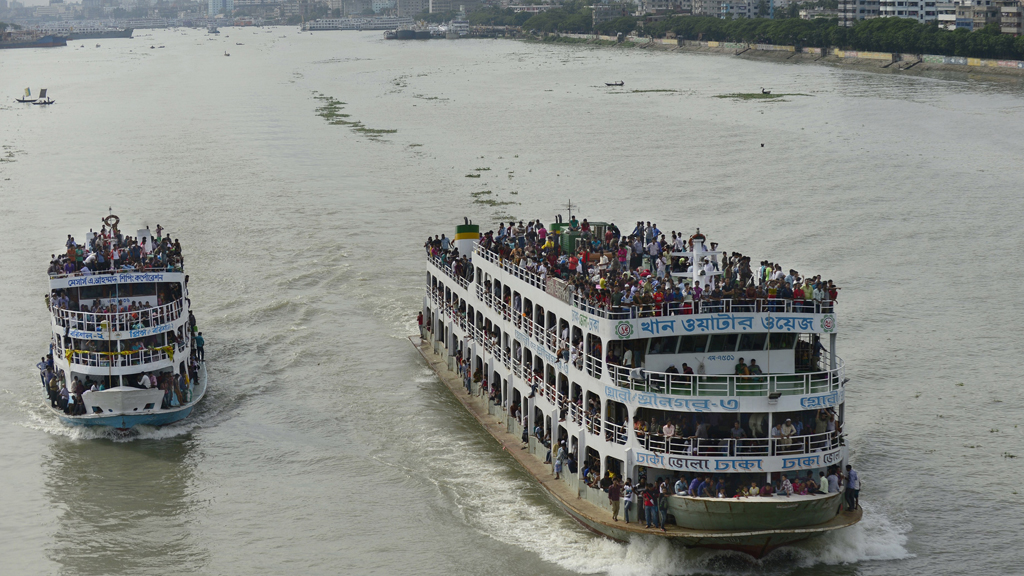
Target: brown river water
327, 447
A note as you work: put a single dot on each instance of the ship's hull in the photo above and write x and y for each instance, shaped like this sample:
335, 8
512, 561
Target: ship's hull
756, 543
753, 513
126, 421
49, 41
126, 33
818, 519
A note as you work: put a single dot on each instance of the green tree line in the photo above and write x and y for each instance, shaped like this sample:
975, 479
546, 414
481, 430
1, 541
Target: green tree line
876, 35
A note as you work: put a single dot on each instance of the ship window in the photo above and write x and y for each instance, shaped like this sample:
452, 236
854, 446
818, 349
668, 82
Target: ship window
666, 345
97, 410
692, 344
149, 406
723, 343
781, 341
753, 341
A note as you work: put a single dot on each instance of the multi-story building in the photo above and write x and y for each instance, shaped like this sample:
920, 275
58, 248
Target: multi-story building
1010, 17
707, 7
850, 11
442, 6
737, 9
411, 8
606, 12
975, 14
946, 14
920, 10
220, 7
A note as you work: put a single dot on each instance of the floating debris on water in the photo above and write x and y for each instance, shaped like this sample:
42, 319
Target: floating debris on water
331, 111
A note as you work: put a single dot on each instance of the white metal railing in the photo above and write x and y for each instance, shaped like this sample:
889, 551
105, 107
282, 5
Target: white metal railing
703, 306
593, 365
118, 359
615, 433
592, 423
795, 445
118, 321
447, 270
575, 413
727, 385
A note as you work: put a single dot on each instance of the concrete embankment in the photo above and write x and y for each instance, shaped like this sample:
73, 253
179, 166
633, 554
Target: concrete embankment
883, 62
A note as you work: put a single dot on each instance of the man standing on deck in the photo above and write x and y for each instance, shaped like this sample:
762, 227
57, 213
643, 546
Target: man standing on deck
200, 350
852, 489
614, 494
650, 497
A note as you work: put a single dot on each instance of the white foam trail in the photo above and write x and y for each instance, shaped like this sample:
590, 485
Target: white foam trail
875, 537
490, 499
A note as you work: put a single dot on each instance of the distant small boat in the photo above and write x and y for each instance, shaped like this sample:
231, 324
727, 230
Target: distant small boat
28, 97
152, 47
226, 54
97, 45
43, 99
238, 44
619, 83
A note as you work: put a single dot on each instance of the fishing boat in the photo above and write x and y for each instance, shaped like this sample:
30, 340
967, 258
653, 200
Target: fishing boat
611, 371
43, 99
124, 348
619, 83
28, 97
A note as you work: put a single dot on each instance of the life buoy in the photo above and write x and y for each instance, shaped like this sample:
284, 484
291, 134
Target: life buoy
111, 221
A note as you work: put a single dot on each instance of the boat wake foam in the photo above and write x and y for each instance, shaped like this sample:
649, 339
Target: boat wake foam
492, 497
876, 538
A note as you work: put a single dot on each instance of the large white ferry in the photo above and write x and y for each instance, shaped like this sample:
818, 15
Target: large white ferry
124, 348
672, 365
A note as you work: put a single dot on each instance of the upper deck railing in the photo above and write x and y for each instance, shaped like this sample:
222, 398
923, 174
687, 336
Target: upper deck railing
728, 385
124, 359
703, 306
118, 321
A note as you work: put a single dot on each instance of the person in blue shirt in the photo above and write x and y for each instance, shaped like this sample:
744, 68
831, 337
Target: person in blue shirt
852, 489
704, 489
200, 351
695, 486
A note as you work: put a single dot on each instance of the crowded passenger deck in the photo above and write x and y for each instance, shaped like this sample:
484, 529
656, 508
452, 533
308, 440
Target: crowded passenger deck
125, 347
650, 357
109, 251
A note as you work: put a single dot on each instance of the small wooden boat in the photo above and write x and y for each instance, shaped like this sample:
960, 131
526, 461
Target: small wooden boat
226, 54
619, 83
43, 99
28, 97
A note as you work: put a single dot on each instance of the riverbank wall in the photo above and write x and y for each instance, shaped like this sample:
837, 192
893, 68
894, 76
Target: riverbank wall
872, 61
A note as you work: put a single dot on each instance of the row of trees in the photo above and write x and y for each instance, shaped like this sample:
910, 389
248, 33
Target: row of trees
877, 35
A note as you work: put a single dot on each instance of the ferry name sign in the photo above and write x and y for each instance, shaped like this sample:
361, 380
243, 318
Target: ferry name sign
739, 463
723, 323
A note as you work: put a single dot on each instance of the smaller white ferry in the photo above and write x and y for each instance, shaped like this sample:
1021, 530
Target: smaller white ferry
125, 349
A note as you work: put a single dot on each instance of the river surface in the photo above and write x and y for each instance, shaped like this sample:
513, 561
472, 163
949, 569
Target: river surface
326, 446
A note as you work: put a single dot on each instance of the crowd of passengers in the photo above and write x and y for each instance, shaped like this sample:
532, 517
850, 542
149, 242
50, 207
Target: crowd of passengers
613, 272
101, 352
650, 499
131, 315
109, 249
682, 432
70, 398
